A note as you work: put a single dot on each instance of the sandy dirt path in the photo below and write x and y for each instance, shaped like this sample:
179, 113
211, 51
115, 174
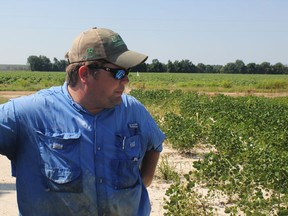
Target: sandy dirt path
14, 94
8, 205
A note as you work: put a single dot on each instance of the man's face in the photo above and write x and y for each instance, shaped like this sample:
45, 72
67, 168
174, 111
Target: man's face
103, 90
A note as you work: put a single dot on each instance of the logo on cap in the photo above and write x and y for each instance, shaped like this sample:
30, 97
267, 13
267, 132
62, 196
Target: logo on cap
89, 54
117, 40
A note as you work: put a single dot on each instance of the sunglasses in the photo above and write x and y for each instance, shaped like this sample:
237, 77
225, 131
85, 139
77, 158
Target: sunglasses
118, 74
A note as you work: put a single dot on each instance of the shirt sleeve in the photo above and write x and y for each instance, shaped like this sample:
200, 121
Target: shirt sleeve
155, 135
151, 133
8, 130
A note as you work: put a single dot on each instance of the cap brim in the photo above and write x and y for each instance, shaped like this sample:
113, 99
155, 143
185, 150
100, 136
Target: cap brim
127, 59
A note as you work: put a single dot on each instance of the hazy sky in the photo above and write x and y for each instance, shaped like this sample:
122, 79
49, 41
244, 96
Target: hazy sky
202, 31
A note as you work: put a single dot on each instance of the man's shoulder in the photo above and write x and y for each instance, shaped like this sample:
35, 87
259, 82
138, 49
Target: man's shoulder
39, 98
54, 91
131, 106
129, 100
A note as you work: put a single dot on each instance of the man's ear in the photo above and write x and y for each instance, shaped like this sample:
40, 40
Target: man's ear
83, 73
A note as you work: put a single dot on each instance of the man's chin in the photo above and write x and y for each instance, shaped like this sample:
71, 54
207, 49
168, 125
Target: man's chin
116, 102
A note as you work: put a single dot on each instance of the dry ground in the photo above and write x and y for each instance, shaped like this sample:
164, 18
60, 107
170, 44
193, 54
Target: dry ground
13, 94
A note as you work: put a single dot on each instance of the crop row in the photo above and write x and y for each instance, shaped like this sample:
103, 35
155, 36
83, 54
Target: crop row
27, 80
250, 138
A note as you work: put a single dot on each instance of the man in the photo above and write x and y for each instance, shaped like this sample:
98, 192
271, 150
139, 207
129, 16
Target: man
83, 148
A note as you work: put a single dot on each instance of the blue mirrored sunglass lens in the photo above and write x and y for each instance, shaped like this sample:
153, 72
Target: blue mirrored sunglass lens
120, 74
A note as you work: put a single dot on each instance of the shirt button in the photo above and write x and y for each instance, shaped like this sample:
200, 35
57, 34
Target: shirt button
100, 180
98, 148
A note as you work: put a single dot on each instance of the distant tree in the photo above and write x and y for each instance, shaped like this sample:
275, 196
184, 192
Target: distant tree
177, 66
35, 63
140, 68
265, 68
170, 66
62, 65
156, 66
216, 69
185, 66
279, 68
46, 63
42, 63
252, 68
188, 67
209, 69
201, 67
236, 67
229, 68
59, 65
240, 67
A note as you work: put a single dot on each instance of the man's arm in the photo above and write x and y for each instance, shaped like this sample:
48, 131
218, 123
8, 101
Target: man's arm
8, 130
148, 166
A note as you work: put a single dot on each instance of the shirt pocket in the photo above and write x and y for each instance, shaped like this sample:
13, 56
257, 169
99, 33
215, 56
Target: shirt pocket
60, 157
126, 167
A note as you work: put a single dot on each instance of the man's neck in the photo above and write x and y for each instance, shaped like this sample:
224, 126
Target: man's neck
78, 95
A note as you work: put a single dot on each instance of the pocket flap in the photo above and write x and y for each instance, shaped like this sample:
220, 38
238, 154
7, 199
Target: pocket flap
61, 176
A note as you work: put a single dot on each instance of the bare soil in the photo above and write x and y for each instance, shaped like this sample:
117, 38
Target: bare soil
238, 94
14, 94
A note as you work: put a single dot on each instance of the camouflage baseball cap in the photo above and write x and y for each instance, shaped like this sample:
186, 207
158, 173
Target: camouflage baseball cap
101, 43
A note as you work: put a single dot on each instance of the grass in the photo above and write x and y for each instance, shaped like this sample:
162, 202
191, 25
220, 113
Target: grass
167, 170
210, 82
3, 100
32, 81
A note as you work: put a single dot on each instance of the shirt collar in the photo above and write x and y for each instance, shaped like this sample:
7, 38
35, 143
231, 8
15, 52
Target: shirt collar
76, 106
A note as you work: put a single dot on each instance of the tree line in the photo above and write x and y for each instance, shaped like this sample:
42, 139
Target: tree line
42, 63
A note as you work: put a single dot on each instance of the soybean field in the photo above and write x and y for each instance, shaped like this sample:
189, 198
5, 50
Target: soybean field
247, 135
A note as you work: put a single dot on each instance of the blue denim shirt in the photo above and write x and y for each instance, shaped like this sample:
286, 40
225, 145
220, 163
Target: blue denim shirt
70, 162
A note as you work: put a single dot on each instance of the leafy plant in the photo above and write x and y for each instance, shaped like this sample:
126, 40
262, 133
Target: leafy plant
184, 201
250, 160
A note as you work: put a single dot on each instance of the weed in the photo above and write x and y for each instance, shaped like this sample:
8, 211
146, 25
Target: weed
167, 170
